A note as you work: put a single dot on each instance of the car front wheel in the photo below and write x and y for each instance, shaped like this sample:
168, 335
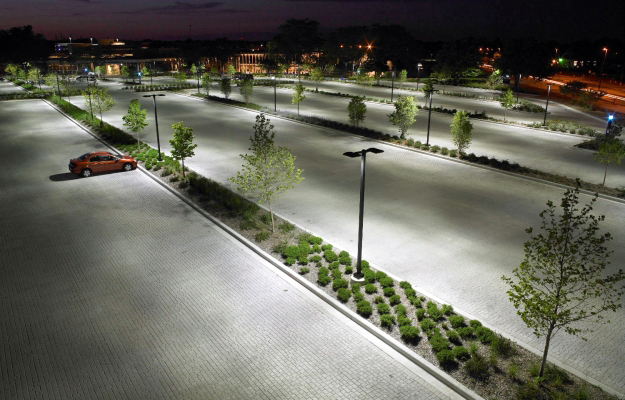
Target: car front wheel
127, 167
85, 173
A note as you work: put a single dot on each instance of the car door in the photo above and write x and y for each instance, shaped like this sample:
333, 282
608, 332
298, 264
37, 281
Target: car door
109, 164
95, 164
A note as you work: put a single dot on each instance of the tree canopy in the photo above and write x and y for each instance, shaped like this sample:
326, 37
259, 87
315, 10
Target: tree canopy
20, 45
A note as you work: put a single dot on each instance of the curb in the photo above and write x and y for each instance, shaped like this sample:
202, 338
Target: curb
441, 376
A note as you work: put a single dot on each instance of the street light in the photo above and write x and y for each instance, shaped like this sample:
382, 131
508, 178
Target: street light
274, 93
392, 84
427, 140
610, 119
605, 50
418, 70
358, 277
158, 139
547, 105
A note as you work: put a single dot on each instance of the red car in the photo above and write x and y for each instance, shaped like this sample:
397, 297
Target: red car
100, 161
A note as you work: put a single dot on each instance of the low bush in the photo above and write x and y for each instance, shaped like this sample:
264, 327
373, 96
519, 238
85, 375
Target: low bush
461, 353
410, 292
345, 260
383, 308
302, 259
415, 301
290, 261
433, 311
456, 321
502, 346
387, 320
453, 336
447, 309
369, 275
339, 284
388, 291
371, 288
343, 295
286, 227
304, 270
379, 275
435, 149
324, 271
405, 285
355, 287
400, 310
465, 332
316, 248
326, 247
439, 343
364, 308
420, 313
427, 324
291, 252
315, 240
316, 258
445, 356
358, 297
323, 280
394, 299
444, 151
401, 321
484, 334
531, 391
379, 299
349, 269
453, 153
477, 368
336, 273
417, 144
386, 282
474, 323
330, 256
333, 265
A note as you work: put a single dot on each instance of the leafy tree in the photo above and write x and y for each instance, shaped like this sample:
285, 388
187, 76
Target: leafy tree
507, 102
66, 82
494, 80
135, 119
214, 71
207, 80
317, 76
560, 283
100, 70
181, 76
102, 101
572, 88
297, 37
270, 170
51, 80
89, 101
356, 110
226, 86
193, 69
428, 88
403, 76
298, 95
456, 57
20, 45
11, 69
231, 70
405, 114
182, 144
588, 98
611, 151
145, 72
34, 75
365, 80
247, 89
461, 130
125, 72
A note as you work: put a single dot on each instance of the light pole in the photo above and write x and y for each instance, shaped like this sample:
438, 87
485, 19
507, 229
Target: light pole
358, 277
418, 70
275, 102
610, 118
547, 105
431, 92
605, 50
90, 106
58, 88
158, 139
392, 84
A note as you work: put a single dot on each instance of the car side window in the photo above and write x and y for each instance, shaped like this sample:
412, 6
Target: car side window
94, 159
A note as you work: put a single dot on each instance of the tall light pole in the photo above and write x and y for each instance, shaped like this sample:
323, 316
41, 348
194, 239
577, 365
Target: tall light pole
431, 92
605, 50
392, 84
358, 277
547, 105
275, 102
418, 70
158, 139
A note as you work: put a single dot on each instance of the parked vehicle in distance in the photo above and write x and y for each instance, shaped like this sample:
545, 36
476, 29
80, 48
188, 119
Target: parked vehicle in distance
241, 77
100, 161
81, 78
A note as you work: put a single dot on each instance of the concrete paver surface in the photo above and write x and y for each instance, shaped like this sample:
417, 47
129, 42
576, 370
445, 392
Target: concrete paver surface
448, 228
114, 288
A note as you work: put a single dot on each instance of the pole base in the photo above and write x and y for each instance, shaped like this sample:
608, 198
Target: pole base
357, 278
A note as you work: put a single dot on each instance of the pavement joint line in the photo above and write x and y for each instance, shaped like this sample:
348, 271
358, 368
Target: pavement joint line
398, 347
520, 176
319, 293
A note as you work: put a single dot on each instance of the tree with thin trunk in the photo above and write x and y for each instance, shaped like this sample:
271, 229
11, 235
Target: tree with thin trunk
34, 74
207, 80
135, 119
88, 94
402, 77
193, 69
182, 144
405, 114
356, 110
181, 76
560, 282
363, 78
317, 75
611, 151
225, 86
231, 70
270, 170
507, 102
461, 130
145, 72
428, 88
494, 80
247, 89
102, 101
66, 83
125, 72
298, 95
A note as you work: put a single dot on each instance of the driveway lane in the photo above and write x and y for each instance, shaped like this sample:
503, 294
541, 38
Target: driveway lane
114, 288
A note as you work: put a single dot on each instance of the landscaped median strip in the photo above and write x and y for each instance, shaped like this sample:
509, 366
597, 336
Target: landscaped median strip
464, 349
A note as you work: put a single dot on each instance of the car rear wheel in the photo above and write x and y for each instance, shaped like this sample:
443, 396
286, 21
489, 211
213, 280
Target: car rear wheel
85, 173
127, 167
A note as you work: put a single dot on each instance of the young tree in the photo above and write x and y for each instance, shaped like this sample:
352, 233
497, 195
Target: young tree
51, 80
270, 170
225, 86
405, 114
214, 70
461, 131
560, 280
247, 89
181, 76
66, 82
100, 70
572, 88
182, 144
317, 75
507, 102
34, 75
102, 101
402, 77
89, 95
611, 151
135, 120
428, 88
125, 72
356, 110
298, 95
145, 72
363, 78
193, 69
207, 80
231, 70
494, 80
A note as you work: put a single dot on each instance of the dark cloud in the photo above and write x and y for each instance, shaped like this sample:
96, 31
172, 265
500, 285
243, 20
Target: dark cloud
181, 7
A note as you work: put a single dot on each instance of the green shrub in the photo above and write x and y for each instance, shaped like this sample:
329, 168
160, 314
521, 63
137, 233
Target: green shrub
379, 299
343, 254
453, 336
420, 313
349, 269
324, 271
530, 391
343, 295
316, 258
410, 142
474, 323
364, 308
445, 356
461, 353
358, 297
326, 247
534, 370
364, 264
435, 149
388, 291
355, 287
304, 248
315, 240
456, 321
427, 324
330, 256
386, 282
383, 308
465, 332
439, 343
400, 310
415, 301
266, 218
304, 270
316, 248
291, 252
433, 311
417, 144
369, 275
387, 320
379, 275
447, 309
554, 374
290, 261
401, 321
409, 332
323, 280
333, 265
477, 368
345, 260
394, 299
405, 285
502, 346
453, 153
512, 371
371, 288
302, 259
336, 273
339, 283
444, 151
484, 334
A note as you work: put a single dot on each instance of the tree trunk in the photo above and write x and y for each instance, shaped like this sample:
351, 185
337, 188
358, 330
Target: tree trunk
542, 365
183, 176
100, 119
138, 142
273, 224
605, 174
298, 108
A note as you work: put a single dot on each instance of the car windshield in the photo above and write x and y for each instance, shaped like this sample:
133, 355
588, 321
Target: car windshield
84, 156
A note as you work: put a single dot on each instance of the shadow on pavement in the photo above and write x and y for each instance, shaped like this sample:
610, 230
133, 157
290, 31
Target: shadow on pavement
68, 176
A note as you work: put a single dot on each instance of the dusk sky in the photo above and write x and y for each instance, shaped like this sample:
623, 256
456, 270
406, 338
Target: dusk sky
253, 19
